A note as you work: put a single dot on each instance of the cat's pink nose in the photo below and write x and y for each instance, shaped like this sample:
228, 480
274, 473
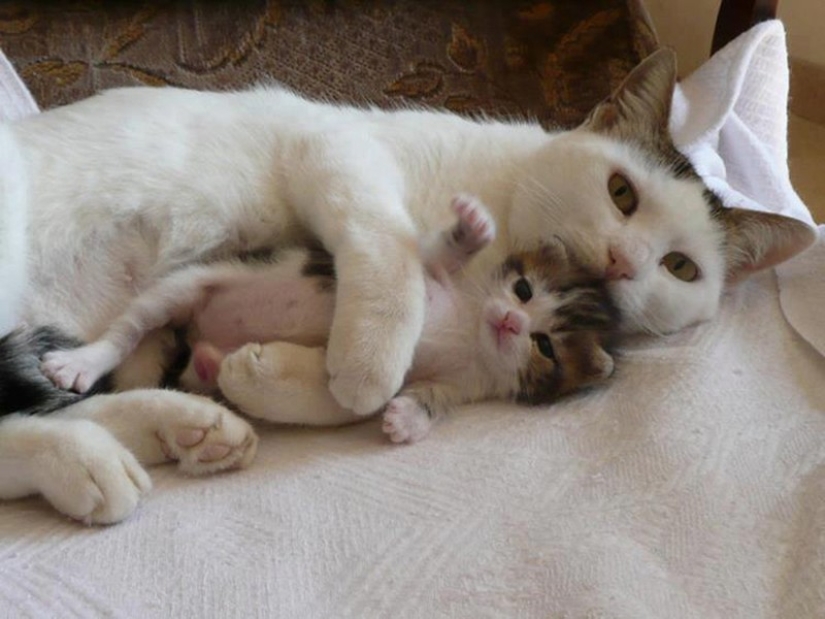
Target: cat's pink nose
509, 324
619, 265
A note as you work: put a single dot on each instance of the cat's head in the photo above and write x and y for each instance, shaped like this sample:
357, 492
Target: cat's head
617, 189
546, 326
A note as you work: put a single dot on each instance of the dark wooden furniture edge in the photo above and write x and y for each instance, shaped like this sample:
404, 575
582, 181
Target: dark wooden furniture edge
736, 16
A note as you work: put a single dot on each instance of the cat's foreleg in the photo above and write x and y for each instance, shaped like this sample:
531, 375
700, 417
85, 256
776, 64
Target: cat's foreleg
158, 425
411, 414
75, 464
349, 192
451, 249
283, 383
173, 298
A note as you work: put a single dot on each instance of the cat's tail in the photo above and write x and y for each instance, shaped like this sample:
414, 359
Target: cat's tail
24, 389
13, 218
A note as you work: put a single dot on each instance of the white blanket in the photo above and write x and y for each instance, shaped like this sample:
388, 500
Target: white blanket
693, 486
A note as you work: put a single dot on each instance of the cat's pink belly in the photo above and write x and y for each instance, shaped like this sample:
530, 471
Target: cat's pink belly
261, 310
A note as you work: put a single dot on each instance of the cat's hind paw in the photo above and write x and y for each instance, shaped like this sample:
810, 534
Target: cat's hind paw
475, 228
405, 420
78, 369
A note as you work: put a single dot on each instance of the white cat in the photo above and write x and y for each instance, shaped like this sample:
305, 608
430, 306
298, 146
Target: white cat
126, 186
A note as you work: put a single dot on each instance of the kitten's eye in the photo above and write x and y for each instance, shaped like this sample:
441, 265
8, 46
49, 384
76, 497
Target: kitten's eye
623, 194
680, 266
544, 344
523, 290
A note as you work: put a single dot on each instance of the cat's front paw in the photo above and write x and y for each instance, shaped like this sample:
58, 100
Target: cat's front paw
405, 420
475, 228
366, 377
78, 369
205, 438
379, 315
85, 473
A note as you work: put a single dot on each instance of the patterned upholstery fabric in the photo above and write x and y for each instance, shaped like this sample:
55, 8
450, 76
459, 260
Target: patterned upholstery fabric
550, 60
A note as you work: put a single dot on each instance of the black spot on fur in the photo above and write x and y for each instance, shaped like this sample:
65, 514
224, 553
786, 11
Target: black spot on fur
23, 387
319, 264
183, 353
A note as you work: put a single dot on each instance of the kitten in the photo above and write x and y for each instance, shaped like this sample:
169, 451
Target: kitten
536, 328
533, 331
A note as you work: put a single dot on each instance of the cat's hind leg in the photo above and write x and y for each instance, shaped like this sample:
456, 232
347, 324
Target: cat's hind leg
172, 299
283, 383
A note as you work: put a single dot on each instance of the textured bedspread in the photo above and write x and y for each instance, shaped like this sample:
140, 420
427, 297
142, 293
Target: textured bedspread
694, 486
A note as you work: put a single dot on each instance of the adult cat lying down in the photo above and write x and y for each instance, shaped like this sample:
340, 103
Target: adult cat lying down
533, 329
127, 186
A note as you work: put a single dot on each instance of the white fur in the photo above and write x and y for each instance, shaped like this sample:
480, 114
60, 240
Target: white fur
13, 256
87, 460
127, 186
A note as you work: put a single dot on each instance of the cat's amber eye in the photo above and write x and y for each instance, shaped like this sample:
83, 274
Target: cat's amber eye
523, 290
680, 266
544, 345
622, 194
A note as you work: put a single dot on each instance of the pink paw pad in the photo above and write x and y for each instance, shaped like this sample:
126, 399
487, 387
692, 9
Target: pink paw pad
475, 227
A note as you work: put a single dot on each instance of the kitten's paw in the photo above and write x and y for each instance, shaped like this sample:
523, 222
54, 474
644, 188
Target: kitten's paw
475, 228
78, 369
85, 473
206, 438
405, 420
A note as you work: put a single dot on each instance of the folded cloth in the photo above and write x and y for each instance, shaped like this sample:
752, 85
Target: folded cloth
802, 293
15, 99
730, 118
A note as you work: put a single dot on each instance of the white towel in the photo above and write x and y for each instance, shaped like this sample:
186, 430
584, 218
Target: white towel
15, 99
730, 118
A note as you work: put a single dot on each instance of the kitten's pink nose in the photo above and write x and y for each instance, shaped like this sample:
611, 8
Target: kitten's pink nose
619, 265
509, 323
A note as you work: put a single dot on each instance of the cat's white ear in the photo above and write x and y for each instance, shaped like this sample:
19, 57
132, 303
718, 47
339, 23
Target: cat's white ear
641, 104
756, 241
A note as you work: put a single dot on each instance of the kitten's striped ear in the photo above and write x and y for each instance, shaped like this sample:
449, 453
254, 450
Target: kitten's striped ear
757, 241
640, 106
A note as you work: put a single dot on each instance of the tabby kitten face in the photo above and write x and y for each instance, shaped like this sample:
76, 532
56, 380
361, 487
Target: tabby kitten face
546, 323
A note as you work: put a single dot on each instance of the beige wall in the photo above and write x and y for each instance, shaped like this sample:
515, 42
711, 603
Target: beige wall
805, 23
688, 27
